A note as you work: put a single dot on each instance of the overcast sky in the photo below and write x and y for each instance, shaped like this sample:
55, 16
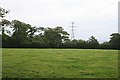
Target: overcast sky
92, 17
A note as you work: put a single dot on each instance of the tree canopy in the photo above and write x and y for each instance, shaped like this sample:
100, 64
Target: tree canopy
25, 35
19, 34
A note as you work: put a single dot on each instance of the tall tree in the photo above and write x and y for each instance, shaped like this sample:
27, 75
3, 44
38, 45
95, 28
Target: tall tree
92, 42
20, 32
115, 40
4, 24
54, 37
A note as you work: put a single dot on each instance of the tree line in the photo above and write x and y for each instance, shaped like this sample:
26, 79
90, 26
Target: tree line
17, 34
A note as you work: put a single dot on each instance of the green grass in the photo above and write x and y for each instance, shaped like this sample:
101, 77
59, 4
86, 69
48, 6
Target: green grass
59, 63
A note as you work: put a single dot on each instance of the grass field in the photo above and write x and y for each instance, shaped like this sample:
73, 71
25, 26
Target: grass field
59, 63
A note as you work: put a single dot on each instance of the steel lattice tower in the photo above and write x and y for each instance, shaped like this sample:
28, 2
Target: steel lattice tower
72, 31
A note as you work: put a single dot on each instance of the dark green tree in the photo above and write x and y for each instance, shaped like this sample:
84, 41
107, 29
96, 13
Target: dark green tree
115, 40
104, 45
55, 36
92, 42
4, 31
20, 33
81, 44
3, 23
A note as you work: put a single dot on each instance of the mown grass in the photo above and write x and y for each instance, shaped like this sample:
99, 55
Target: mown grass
59, 63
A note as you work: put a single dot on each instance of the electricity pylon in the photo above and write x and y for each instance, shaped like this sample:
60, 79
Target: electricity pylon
72, 31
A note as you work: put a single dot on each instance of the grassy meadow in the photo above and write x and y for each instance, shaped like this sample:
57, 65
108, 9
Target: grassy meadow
59, 63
